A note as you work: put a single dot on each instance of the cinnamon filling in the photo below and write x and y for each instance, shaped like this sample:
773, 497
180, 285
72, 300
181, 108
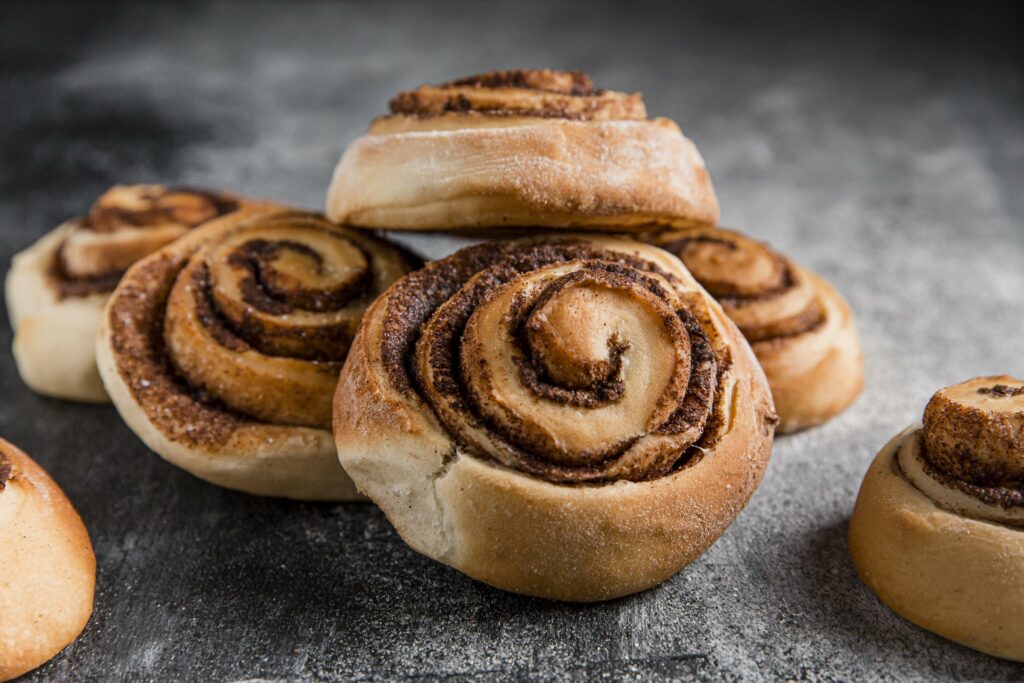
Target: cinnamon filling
968, 456
544, 80
1002, 391
6, 470
760, 289
123, 225
270, 290
142, 206
254, 325
136, 319
595, 383
69, 286
1005, 494
481, 337
540, 93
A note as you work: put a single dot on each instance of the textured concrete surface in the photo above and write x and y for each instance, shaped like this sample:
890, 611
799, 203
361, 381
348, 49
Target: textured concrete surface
884, 149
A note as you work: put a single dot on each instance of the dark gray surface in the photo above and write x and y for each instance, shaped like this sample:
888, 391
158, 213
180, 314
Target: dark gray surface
885, 151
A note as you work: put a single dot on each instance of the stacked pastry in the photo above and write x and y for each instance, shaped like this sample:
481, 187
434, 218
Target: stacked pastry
521, 149
571, 413
528, 149
567, 415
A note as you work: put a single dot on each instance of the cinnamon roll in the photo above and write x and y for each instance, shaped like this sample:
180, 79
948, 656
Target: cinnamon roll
566, 417
47, 566
799, 326
56, 289
222, 350
521, 148
938, 529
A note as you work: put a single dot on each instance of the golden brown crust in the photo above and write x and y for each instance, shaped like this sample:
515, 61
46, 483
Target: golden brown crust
521, 148
542, 93
800, 328
57, 288
960, 577
48, 572
974, 431
1002, 503
222, 350
126, 223
488, 495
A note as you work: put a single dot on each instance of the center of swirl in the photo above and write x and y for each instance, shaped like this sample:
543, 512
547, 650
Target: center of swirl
562, 357
597, 338
969, 455
285, 275
263, 313
572, 369
974, 431
280, 288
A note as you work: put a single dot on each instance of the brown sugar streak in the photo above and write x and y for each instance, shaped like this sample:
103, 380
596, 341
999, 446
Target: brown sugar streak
415, 300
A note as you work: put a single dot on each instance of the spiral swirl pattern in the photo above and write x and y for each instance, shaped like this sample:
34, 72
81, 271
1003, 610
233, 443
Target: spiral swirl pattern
763, 292
560, 359
126, 223
969, 454
261, 318
542, 93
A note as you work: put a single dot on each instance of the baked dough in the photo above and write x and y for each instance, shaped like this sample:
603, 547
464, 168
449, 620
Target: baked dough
569, 417
47, 566
222, 350
800, 328
521, 148
945, 552
56, 289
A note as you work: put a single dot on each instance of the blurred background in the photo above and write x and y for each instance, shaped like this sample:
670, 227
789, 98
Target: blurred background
880, 143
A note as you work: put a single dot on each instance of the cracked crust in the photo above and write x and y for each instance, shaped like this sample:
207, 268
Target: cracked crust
47, 571
523, 533
959, 577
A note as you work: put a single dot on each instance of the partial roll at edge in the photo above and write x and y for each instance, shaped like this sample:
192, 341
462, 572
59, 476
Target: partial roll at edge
222, 350
938, 529
47, 566
799, 326
57, 288
521, 148
567, 417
